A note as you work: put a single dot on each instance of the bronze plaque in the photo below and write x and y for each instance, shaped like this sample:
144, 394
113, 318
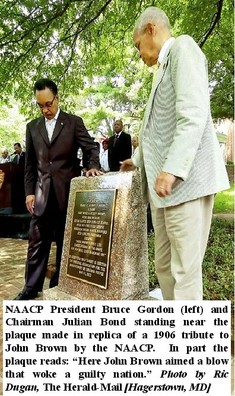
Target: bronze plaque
90, 242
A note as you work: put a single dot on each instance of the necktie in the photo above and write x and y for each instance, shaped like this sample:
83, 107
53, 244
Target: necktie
115, 139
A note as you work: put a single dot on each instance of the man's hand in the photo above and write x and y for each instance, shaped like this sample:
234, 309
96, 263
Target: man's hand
164, 184
30, 200
127, 165
93, 172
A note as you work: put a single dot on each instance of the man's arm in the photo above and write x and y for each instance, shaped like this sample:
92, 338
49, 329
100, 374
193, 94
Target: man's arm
189, 78
88, 146
30, 175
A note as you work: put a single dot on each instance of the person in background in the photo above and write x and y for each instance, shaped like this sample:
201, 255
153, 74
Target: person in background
19, 157
2, 177
119, 146
52, 143
17, 183
135, 143
4, 156
179, 156
104, 163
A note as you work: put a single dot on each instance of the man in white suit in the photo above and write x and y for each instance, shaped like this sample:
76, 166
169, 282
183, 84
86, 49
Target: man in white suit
179, 157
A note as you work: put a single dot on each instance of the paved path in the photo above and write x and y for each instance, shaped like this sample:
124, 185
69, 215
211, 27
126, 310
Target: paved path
12, 264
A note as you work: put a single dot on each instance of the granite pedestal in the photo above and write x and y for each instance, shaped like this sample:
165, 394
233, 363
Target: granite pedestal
127, 267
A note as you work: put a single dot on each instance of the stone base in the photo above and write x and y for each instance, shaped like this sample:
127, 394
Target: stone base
128, 265
56, 294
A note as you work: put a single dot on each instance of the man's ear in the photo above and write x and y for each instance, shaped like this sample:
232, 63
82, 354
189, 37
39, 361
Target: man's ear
151, 28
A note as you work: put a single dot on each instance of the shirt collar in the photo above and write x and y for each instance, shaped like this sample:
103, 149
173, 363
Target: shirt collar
164, 49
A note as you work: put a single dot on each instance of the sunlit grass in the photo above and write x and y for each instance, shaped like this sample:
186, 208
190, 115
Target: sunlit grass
224, 201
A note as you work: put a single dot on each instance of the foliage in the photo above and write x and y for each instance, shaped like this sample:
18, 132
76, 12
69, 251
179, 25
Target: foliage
108, 98
74, 41
217, 265
12, 126
218, 269
153, 282
221, 65
211, 24
224, 201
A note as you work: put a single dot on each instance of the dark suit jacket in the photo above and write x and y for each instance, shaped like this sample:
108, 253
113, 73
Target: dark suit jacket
121, 151
21, 160
56, 161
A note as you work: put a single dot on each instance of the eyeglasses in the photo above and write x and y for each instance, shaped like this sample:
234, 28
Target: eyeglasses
47, 104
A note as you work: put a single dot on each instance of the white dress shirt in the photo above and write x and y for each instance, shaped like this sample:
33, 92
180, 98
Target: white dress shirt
50, 125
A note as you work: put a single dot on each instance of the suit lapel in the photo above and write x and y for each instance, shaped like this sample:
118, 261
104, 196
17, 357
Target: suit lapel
158, 79
160, 74
58, 126
43, 131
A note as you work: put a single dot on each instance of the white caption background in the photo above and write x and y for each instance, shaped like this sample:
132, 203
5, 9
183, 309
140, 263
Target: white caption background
126, 347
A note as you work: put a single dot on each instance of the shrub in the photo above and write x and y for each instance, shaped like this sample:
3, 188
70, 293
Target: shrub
217, 263
153, 282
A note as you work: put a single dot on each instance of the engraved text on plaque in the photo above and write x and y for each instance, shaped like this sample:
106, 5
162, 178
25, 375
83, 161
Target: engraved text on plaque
90, 241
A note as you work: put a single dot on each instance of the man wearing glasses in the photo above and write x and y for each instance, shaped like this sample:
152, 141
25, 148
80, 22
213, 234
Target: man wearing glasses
52, 142
179, 155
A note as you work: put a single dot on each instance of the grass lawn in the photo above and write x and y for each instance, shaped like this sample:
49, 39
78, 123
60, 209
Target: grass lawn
224, 201
218, 263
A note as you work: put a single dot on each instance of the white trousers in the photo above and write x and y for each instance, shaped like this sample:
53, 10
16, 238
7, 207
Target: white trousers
181, 236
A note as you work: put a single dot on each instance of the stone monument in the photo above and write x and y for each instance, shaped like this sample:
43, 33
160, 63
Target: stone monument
105, 252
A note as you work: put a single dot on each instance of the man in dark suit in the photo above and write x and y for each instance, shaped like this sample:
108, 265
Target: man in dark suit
52, 142
19, 157
17, 184
120, 147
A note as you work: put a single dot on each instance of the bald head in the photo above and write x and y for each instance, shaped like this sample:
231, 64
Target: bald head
118, 126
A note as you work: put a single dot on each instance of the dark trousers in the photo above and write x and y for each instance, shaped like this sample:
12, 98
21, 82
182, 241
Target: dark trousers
43, 230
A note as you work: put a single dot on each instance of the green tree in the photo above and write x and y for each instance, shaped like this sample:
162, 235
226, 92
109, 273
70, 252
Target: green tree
74, 40
108, 98
211, 25
12, 126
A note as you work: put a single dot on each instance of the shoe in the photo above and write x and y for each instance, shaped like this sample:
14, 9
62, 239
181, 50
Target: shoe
26, 295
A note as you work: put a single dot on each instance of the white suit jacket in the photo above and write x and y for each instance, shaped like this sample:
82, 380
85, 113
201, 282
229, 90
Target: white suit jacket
177, 134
